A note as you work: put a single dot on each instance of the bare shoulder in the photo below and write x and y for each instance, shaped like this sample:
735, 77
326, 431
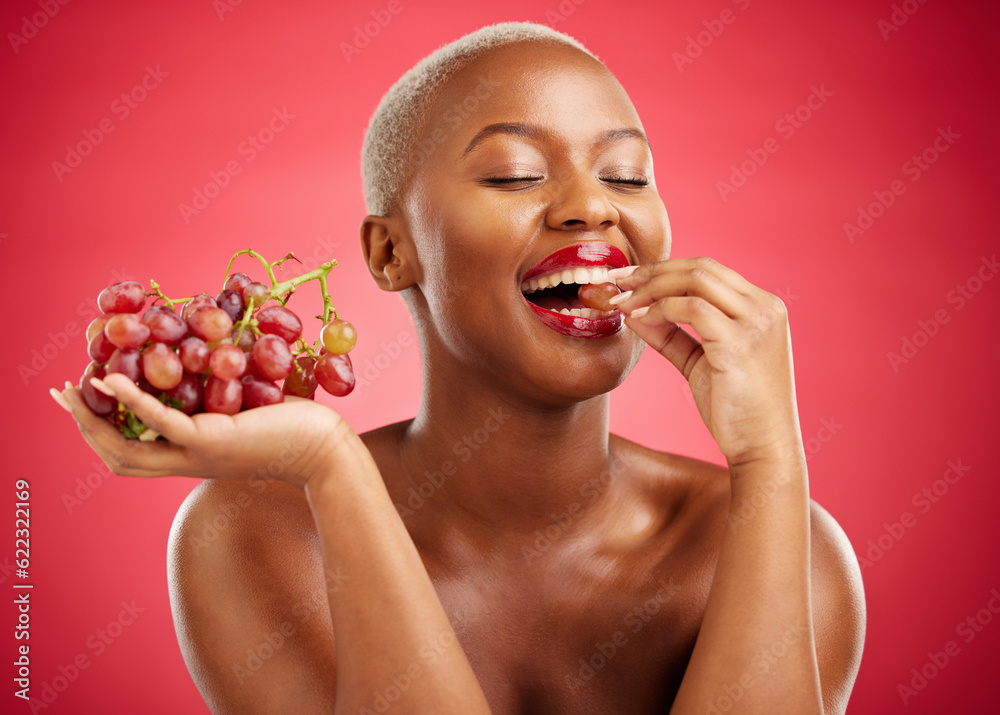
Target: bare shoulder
249, 598
697, 496
838, 601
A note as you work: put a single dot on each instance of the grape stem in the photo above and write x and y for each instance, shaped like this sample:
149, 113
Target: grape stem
282, 291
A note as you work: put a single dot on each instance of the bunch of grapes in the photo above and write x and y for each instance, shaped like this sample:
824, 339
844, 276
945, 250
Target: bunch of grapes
223, 354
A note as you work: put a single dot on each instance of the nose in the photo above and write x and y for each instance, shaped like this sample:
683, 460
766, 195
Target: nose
579, 202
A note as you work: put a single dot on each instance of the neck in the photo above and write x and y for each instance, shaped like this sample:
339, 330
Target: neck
501, 458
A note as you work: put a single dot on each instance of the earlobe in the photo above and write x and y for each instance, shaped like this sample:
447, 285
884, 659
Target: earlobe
387, 251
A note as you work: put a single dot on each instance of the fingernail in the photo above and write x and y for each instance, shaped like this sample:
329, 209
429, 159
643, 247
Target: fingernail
639, 312
616, 273
60, 400
99, 384
620, 298
68, 384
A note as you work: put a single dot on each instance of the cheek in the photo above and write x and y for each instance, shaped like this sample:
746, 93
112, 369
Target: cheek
653, 228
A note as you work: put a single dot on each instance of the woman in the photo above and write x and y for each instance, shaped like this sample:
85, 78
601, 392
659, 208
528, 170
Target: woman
502, 552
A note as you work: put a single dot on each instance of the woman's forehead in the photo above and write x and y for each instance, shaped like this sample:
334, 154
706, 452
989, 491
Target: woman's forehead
530, 78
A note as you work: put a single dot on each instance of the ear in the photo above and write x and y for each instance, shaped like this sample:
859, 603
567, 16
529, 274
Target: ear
388, 252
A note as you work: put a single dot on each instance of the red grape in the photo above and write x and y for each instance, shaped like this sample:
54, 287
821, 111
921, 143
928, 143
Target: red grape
203, 300
258, 392
225, 396
231, 302
97, 401
187, 393
165, 326
127, 361
97, 325
161, 366
339, 337
272, 357
237, 282
144, 385
194, 354
247, 339
596, 295
302, 381
100, 348
280, 321
125, 297
228, 362
259, 293
335, 374
126, 330
210, 324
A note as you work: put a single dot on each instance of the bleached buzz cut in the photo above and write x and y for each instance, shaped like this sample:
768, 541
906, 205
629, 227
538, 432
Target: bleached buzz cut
386, 157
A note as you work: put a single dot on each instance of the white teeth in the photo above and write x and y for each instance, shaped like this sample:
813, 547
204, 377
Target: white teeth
579, 275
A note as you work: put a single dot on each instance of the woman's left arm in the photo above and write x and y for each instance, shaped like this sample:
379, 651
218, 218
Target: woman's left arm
778, 635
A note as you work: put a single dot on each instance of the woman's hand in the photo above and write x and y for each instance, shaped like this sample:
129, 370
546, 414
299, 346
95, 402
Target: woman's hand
288, 441
741, 372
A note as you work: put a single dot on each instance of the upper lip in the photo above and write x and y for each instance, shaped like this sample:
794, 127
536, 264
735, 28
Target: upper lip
586, 254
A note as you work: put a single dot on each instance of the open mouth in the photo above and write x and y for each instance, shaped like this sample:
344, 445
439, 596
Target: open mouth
558, 291
551, 289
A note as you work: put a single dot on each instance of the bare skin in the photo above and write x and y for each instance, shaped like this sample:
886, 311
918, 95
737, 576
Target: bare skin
501, 552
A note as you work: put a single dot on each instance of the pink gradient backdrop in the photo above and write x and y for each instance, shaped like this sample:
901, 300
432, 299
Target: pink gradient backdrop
63, 238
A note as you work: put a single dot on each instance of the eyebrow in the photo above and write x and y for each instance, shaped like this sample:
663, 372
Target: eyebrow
528, 131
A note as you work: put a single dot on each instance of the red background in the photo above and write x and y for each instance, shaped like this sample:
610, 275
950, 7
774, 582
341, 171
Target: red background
116, 215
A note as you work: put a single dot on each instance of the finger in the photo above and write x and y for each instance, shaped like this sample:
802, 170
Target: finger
694, 281
171, 423
125, 457
678, 346
631, 277
709, 322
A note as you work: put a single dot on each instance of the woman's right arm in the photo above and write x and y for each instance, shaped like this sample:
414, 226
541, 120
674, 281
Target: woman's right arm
392, 634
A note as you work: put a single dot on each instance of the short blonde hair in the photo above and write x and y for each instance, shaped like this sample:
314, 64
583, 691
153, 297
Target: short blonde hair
386, 157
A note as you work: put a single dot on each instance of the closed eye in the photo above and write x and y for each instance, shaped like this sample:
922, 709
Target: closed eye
511, 179
631, 181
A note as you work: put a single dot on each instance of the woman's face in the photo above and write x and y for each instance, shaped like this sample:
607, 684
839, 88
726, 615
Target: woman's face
532, 162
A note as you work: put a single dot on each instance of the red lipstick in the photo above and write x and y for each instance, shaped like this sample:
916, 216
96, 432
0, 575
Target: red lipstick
564, 270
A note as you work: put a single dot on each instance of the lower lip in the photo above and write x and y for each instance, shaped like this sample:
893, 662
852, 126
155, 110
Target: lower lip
575, 327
